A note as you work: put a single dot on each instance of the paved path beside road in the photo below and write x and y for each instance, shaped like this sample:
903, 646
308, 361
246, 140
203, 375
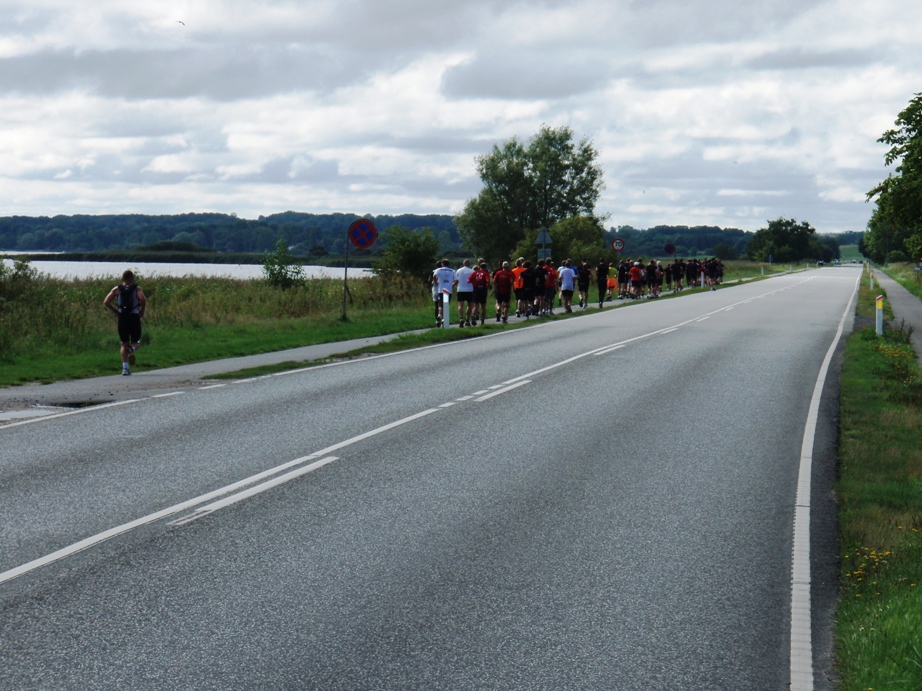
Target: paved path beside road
905, 306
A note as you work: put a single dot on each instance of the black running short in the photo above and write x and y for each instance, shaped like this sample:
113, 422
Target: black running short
129, 328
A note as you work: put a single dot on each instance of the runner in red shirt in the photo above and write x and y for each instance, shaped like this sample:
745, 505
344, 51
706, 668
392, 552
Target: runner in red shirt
550, 287
503, 281
480, 280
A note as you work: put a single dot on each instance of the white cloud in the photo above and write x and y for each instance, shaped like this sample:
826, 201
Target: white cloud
702, 111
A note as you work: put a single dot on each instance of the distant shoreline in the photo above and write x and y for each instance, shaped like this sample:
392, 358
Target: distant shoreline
129, 257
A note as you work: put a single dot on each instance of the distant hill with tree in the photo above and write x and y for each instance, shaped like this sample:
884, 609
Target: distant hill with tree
305, 233
315, 236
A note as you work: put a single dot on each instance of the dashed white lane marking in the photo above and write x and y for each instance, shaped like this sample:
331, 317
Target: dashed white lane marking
464, 398
448, 405
801, 624
481, 393
669, 331
168, 395
702, 319
252, 491
506, 389
212, 386
608, 350
191, 503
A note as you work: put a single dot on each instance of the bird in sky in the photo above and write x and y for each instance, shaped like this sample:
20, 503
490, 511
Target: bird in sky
181, 22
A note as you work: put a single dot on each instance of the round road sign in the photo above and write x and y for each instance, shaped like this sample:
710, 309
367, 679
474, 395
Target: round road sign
362, 233
617, 244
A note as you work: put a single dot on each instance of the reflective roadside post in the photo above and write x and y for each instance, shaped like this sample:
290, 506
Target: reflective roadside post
880, 315
446, 312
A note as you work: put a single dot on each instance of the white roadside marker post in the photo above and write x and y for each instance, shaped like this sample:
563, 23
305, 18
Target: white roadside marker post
880, 315
445, 309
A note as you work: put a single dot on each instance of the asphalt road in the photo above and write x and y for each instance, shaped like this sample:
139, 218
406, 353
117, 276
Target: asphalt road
599, 503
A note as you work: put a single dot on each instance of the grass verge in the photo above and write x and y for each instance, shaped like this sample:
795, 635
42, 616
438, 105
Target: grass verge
880, 512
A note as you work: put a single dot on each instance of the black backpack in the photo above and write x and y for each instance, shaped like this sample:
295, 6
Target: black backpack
127, 299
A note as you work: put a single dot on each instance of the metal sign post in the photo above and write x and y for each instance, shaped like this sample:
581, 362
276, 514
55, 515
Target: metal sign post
362, 233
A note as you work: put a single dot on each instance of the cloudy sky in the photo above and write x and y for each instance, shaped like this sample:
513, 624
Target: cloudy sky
703, 111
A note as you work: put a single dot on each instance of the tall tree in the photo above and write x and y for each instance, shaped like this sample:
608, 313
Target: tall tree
527, 187
786, 240
895, 228
408, 252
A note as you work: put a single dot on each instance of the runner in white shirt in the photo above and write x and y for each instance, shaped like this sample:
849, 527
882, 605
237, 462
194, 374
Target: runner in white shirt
566, 277
465, 292
445, 280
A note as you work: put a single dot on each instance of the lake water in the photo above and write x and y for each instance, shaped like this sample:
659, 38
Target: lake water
74, 270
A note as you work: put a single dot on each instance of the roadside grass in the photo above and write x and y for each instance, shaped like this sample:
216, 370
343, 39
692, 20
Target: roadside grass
906, 275
53, 329
879, 620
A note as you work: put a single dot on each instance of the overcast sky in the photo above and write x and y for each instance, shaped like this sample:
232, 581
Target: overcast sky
718, 112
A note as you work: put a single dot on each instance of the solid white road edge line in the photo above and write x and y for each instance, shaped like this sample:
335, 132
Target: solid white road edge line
191, 503
801, 623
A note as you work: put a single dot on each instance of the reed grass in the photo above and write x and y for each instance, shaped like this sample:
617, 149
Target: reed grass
54, 329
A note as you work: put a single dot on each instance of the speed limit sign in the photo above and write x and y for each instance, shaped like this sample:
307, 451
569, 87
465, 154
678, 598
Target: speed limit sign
617, 244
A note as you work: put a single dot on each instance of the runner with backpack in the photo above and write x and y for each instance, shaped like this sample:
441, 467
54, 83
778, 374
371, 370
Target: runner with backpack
129, 303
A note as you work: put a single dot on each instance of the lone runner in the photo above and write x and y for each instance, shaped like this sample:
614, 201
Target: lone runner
130, 304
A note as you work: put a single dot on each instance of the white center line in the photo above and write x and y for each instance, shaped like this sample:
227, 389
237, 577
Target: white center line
608, 350
252, 491
504, 390
213, 386
167, 395
447, 405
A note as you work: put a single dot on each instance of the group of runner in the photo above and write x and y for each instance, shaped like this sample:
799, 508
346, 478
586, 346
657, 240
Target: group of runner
532, 289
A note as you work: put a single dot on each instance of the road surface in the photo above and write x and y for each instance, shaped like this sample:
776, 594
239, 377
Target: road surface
599, 503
